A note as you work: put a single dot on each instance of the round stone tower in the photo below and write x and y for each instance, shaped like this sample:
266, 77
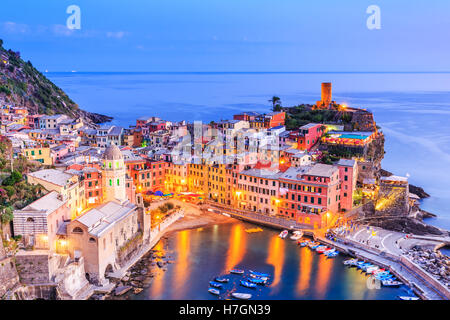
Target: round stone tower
113, 169
326, 93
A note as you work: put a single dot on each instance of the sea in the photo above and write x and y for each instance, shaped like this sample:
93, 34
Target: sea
412, 109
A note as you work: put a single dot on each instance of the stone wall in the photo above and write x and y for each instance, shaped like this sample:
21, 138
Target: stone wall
8, 275
33, 268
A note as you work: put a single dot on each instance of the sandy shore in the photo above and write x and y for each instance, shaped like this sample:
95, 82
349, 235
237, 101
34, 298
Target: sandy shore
197, 218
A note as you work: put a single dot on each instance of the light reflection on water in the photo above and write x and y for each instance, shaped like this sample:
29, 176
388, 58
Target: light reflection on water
296, 272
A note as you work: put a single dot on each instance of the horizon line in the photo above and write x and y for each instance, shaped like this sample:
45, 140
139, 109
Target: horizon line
256, 72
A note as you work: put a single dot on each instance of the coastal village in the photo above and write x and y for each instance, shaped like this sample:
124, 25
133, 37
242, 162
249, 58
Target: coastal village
103, 195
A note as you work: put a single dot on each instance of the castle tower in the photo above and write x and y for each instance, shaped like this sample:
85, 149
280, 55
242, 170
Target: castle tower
326, 93
114, 173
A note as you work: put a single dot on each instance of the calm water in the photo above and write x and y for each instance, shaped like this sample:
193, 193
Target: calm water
297, 273
413, 109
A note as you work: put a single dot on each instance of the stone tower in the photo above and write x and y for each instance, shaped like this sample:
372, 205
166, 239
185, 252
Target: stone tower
114, 173
326, 93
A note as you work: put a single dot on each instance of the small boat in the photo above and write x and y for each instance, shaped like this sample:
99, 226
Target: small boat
332, 254
313, 244
283, 234
242, 296
247, 284
391, 283
322, 249
237, 271
259, 274
303, 244
222, 280
258, 277
350, 262
372, 269
257, 280
297, 235
253, 230
408, 298
214, 291
215, 284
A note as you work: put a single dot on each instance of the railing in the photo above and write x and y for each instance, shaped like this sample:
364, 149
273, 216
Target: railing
261, 217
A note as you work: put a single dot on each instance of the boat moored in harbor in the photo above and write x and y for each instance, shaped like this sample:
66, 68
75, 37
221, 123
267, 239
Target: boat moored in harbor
241, 296
283, 234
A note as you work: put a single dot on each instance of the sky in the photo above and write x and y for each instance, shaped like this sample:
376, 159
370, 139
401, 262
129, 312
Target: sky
229, 36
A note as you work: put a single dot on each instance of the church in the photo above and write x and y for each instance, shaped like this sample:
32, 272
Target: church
107, 234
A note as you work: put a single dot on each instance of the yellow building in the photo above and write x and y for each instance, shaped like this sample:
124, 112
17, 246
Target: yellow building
176, 177
217, 178
41, 154
66, 184
198, 178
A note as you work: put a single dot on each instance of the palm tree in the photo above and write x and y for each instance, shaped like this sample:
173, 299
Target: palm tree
276, 103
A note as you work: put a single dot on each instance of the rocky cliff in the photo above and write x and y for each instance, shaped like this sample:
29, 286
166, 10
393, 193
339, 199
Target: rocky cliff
23, 85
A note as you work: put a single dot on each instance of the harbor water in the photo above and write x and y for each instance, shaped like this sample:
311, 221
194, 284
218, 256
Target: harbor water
199, 255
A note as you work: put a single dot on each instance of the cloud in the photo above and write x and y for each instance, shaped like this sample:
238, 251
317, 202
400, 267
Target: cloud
13, 27
61, 30
116, 35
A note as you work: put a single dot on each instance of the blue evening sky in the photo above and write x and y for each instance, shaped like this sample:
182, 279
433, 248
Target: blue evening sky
229, 35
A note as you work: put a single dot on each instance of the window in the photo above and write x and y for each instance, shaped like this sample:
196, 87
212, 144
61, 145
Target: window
92, 240
77, 230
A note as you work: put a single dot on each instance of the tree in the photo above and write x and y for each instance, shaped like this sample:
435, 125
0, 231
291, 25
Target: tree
1, 43
276, 103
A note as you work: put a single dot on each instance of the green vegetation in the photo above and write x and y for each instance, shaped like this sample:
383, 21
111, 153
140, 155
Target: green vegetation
15, 192
22, 84
276, 103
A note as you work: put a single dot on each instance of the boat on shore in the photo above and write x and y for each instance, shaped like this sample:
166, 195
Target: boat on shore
241, 296
297, 235
283, 234
247, 284
214, 291
215, 284
237, 271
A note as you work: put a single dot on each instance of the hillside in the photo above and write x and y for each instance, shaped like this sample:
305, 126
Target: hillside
23, 85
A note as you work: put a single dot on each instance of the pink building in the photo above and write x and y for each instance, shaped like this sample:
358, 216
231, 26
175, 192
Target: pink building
348, 176
310, 194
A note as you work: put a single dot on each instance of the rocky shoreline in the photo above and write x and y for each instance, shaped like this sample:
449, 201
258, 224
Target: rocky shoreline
434, 262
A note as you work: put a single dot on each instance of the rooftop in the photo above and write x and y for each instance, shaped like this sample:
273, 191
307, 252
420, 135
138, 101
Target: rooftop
48, 203
53, 176
102, 218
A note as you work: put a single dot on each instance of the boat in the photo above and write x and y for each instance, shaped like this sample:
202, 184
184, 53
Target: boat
372, 269
350, 262
408, 298
322, 249
242, 296
391, 283
222, 280
259, 277
303, 243
297, 235
214, 291
313, 244
283, 234
215, 284
247, 284
253, 230
259, 274
257, 280
237, 271
332, 254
